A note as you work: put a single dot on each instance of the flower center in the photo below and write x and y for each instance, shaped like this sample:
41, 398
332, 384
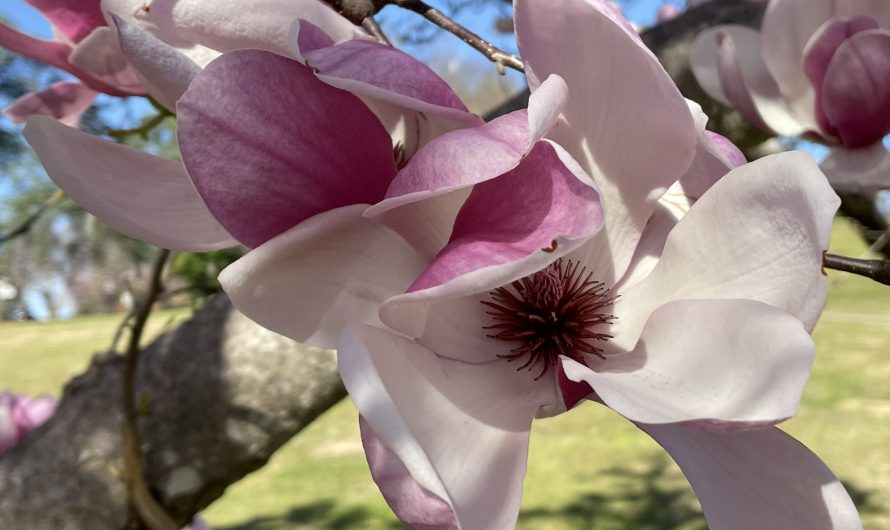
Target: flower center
550, 313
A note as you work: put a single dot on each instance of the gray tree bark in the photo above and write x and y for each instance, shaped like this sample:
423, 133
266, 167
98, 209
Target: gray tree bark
223, 394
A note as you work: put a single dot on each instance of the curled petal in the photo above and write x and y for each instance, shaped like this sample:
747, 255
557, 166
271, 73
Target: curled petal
140, 195
444, 418
757, 479
165, 71
866, 169
728, 360
268, 145
329, 271
64, 101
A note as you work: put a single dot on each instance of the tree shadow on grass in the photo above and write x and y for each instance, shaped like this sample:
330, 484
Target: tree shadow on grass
654, 497
326, 514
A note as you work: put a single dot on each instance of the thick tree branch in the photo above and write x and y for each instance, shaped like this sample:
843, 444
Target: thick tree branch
217, 396
875, 269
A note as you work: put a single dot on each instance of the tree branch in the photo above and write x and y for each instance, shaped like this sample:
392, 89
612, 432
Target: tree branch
25, 226
875, 269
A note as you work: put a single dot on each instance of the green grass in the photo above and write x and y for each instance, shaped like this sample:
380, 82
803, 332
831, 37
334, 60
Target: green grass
588, 469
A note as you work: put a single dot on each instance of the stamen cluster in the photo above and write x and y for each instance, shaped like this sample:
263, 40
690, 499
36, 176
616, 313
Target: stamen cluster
550, 313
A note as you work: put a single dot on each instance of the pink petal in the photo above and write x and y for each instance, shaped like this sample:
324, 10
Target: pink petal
757, 234
32, 412
9, 432
165, 71
484, 152
140, 195
630, 129
329, 271
368, 68
732, 78
73, 18
54, 54
268, 145
556, 201
856, 93
415, 506
319, 26
866, 169
460, 430
201, 29
100, 55
714, 157
787, 27
64, 101
758, 479
728, 360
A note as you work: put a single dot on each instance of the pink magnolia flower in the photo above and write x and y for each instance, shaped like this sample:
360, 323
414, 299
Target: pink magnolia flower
697, 328
20, 414
817, 67
667, 12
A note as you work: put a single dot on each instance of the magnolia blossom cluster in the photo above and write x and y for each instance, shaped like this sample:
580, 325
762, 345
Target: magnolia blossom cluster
816, 67
598, 245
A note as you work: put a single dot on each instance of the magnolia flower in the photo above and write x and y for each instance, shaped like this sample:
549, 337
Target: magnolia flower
697, 328
817, 67
19, 415
225, 115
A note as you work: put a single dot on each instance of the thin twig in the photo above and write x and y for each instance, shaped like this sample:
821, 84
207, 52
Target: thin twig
152, 514
25, 226
875, 269
143, 129
371, 26
499, 57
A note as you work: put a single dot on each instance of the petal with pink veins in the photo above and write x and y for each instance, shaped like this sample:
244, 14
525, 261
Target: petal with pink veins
268, 145
164, 70
728, 360
416, 402
856, 92
64, 101
761, 479
631, 129
140, 195
759, 234
75, 19
329, 271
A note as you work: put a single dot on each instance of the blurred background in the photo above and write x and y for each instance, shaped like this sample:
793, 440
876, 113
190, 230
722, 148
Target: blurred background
67, 281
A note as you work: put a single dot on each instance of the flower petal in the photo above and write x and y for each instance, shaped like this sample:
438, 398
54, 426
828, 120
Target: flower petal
75, 19
100, 55
460, 430
556, 201
9, 432
757, 479
759, 234
165, 71
856, 93
268, 145
630, 129
64, 101
52, 53
138, 194
329, 271
465, 157
414, 505
727, 360
866, 169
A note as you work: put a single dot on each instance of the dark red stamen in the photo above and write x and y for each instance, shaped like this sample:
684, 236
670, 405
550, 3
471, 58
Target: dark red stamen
550, 313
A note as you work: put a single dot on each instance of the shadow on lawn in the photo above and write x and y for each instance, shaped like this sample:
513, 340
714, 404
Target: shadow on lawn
656, 497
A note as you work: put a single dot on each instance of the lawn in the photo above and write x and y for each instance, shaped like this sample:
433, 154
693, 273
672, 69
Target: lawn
588, 469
